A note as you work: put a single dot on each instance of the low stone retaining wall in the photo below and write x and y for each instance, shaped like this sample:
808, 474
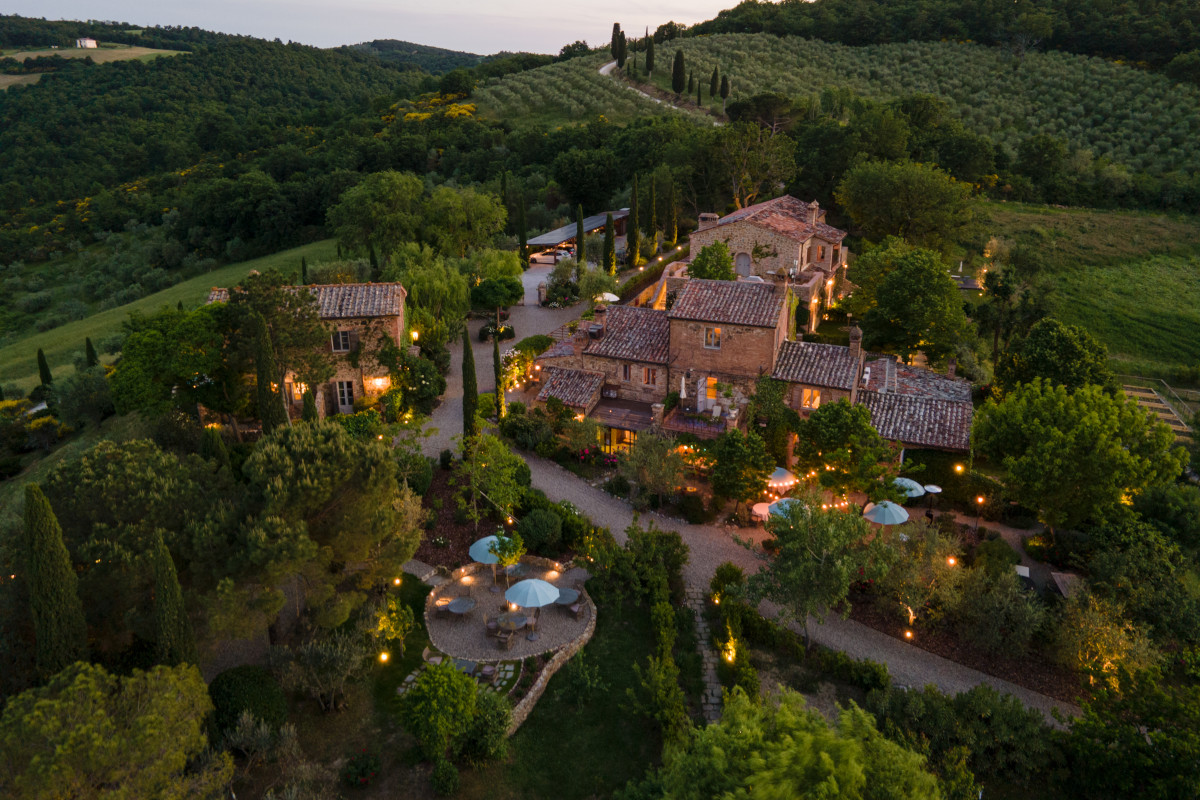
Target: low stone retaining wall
523, 707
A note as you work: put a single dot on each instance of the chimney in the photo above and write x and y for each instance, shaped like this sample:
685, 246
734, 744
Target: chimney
951, 367
855, 342
707, 220
814, 208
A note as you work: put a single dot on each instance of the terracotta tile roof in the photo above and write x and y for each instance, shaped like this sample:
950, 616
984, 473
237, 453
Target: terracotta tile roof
346, 300
558, 350
816, 365
920, 421
888, 376
788, 216
574, 387
729, 302
633, 334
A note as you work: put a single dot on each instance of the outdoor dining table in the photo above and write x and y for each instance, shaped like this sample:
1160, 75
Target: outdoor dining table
461, 605
511, 621
567, 597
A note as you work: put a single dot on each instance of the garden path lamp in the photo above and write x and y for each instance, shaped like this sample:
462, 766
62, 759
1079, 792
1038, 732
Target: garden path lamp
979, 501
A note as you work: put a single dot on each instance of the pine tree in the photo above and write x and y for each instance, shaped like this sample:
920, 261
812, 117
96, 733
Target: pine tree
522, 232
89, 353
672, 235
212, 447
500, 407
60, 631
614, 45
175, 643
270, 404
724, 91
610, 245
470, 390
633, 234
303, 271
44, 369
580, 237
622, 52
714, 84
678, 72
309, 412
649, 53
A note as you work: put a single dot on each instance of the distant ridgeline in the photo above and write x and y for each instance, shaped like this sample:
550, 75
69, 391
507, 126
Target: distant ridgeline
21, 33
1149, 32
434, 60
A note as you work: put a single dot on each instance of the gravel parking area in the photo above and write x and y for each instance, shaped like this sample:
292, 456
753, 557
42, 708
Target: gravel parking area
466, 636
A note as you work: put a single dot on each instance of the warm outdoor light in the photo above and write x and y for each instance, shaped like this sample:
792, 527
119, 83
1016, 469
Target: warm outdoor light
395, 581
951, 561
415, 334
908, 634
466, 579
512, 606
958, 468
383, 657
510, 520
716, 599
981, 499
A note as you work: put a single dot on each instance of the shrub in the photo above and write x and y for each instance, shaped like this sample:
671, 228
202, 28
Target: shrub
486, 739
246, 688
618, 486
729, 579
416, 469
444, 778
865, 674
527, 431
575, 526
438, 708
542, 532
993, 614
360, 769
995, 555
485, 405
691, 507
516, 408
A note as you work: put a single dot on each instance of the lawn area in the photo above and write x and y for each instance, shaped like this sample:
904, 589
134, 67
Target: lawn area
100, 55
18, 361
564, 752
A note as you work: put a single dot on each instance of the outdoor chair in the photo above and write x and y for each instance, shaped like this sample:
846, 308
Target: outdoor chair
493, 627
487, 674
505, 640
576, 610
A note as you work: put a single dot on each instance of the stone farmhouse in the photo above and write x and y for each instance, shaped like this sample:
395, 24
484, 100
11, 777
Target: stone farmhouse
712, 346
353, 312
784, 240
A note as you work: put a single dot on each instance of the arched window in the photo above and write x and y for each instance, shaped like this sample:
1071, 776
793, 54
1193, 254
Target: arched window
743, 263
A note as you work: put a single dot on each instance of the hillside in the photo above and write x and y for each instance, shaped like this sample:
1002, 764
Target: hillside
1135, 118
102, 55
434, 60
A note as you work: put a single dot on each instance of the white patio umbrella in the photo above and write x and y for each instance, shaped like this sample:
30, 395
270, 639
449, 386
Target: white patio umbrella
781, 507
682, 388
607, 297
781, 479
910, 487
886, 513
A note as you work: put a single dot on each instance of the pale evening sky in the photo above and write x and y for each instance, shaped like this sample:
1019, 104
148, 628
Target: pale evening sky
477, 26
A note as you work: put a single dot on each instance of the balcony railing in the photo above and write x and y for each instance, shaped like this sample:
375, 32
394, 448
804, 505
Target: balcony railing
702, 426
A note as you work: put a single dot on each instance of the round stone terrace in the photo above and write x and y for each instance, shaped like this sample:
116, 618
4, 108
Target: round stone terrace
466, 636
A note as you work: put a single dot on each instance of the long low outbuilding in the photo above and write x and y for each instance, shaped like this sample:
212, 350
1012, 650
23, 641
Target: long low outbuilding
596, 222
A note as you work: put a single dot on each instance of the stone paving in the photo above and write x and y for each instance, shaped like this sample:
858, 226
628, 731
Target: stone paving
506, 677
467, 637
711, 702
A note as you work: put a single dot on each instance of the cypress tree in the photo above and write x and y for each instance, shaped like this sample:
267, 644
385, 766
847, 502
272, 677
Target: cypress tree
672, 236
303, 271
649, 53
652, 217
176, 644
1, 394
633, 234
522, 232
309, 411
212, 447
580, 237
374, 264
270, 405
691, 83
470, 390
508, 216
339, 251
500, 407
610, 246
724, 91
714, 84
89, 353
614, 45
60, 630
622, 52
678, 72
44, 369
179, 306
700, 96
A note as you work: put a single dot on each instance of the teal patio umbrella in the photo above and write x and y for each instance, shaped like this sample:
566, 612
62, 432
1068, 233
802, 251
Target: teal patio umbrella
481, 552
886, 513
782, 506
532, 593
910, 487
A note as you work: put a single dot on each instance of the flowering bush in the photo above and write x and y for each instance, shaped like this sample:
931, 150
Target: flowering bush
596, 456
360, 768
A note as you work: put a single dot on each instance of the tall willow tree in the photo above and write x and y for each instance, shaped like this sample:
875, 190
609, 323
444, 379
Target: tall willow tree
60, 631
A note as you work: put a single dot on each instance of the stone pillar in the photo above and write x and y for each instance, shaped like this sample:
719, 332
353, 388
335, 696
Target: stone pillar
656, 413
541, 293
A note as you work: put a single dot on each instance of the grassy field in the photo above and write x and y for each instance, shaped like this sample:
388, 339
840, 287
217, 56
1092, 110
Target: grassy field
1132, 116
1131, 278
18, 361
100, 55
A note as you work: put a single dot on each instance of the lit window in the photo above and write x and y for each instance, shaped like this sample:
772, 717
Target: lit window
710, 388
712, 338
649, 376
341, 341
811, 398
626, 372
